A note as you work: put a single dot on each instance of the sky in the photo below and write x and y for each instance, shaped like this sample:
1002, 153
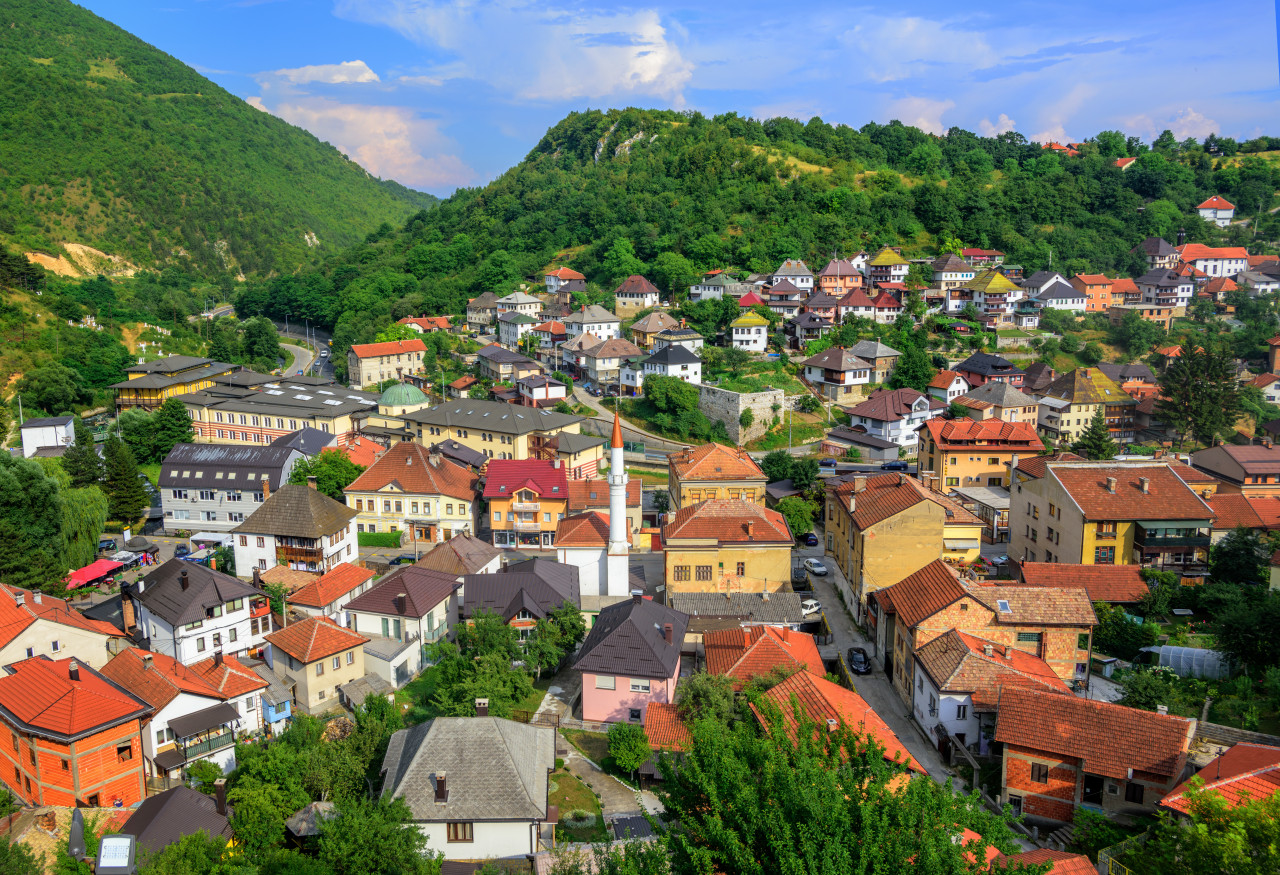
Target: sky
443, 95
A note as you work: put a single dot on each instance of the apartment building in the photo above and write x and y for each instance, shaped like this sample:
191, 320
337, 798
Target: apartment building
188, 611
527, 499
713, 471
214, 488
498, 430
237, 415
371, 363
149, 384
957, 453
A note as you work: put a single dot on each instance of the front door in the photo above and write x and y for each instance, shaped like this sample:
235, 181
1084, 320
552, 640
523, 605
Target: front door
1094, 786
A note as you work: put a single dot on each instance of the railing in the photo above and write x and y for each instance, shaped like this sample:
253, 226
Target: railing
226, 738
259, 608
525, 505
527, 526
285, 555
1141, 540
435, 634
1107, 862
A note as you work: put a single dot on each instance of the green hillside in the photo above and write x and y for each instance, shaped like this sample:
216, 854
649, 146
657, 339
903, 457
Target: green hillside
108, 142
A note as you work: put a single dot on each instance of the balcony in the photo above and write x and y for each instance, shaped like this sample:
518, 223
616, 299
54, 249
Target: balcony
527, 526
1144, 541
259, 607
286, 555
525, 506
197, 749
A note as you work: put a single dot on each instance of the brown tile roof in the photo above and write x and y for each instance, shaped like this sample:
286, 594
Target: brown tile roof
158, 683
1231, 509
943, 379
333, 585
292, 578
753, 651
461, 554
390, 347
1246, 772
1117, 584
314, 638
423, 589
1087, 386
886, 495
923, 593
592, 493
993, 434
636, 285
714, 462
837, 358
728, 520
589, 529
411, 466
1167, 497
665, 729
1034, 466
298, 511
1236, 462
1108, 739
1066, 606
613, 348
230, 677
363, 451
957, 663
888, 405
654, 322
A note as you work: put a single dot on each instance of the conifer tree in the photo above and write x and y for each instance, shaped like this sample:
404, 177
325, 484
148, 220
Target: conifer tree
1096, 443
171, 425
126, 496
81, 460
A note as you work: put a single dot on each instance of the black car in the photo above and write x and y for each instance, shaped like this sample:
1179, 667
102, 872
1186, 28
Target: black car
895, 466
403, 559
810, 540
859, 662
827, 463
180, 551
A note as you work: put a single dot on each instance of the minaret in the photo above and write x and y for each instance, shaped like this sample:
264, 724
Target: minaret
618, 582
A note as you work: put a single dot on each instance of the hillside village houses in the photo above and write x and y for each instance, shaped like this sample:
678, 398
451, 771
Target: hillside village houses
299, 527
371, 363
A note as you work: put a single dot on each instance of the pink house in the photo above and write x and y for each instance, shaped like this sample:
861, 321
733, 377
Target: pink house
631, 659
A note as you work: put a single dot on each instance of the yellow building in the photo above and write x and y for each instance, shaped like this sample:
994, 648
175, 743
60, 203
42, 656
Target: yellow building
410, 489
317, 657
527, 500
150, 384
727, 545
955, 453
496, 429
1069, 404
713, 471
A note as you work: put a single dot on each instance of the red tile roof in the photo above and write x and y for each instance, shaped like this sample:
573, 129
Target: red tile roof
636, 285
314, 638
231, 678
1117, 584
1166, 498
15, 619
745, 653
565, 273
943, 379
464, 382
506, 477
1220, 284
990, 253
589, 529
714, 462
856, 298
593, 492
923, 593
333, 585
1190, 252
1063, 862
1124, 284
728, 520
750, 299
363, 451
821, 701
1245, 772
1231, 509
665, 729
990, 434
883, 496
1122, 163
1034, 466
551, 326
158, 682
886, 301
957, 663
412, 467
390, 347
39, 693
427, 323
1108, 739
1217, 202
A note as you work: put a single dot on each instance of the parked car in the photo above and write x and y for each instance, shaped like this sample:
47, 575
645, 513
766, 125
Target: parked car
810, 606
810, 540
815, 567
180, 551
298, 373
107, 544
403, 559
859, 662
894, 466
827, 463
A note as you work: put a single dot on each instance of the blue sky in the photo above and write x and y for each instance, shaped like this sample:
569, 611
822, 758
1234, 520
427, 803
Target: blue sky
441, 95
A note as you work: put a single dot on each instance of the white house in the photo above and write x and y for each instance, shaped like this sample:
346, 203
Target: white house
796, 272
519, 302
1061, 296
1165, 288
402, 616
837, 372
50, 431
554, 279
601, 363
593, 319
894, 415
1041, 280
475, 786
297, 526
214, 487
1215, 260
947, 386
636, 293
674, 361
686, 337
188, 611
1218, 210
513, 325
540, 391
951, 271
750, 331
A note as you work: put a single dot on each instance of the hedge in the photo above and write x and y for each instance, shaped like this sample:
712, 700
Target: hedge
378, 539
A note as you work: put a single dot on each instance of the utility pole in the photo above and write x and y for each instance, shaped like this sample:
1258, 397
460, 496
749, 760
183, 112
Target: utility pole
19, 411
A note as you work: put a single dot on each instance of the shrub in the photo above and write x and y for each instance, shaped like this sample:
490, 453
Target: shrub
378, 539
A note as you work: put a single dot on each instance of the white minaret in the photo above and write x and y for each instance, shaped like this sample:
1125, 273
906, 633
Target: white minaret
619, 546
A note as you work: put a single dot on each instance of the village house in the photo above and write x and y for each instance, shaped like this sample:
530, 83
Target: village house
370, 363
682, 336
750, 331
887, 266
214, 487
298, 526
464, 554
1243, 773
888, 307
996, 297
188, 611
557, 277
514, 325
794, 271
1096, 289
951, 271
550, 334
1121, 585
475, 787
33, 623
857, 304
1068, 406
426, 324
1253, 470
518, 302
894, 415
1218, 210
1215, 261
947, 386
634, 294
727, 545
328, 594
713, 471
1165, 290
807, 327
1005, 403
405, 613
315, 657
601, 364
630, 660
784, 299
148, 385
837, 373
503, 365
53, 434
522, 593
527, 499
1062, 753
593, 319
1158, 252
481, 312
410, 489
964, 452
646, 327
499, 431
580, 454
77, 737
842, 275
670, 361
982, 367
978, 257
1060, 296
749, 652
541, 391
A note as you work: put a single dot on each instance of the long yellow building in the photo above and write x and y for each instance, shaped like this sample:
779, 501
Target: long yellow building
150, 384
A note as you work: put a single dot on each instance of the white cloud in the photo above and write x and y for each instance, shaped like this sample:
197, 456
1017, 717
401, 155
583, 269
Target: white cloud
345, 73
892, 49
921, 112
990, 129
1189, 123
1060, 112
389, 141
540, 52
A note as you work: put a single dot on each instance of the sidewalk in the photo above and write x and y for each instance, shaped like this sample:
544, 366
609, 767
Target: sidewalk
606, 418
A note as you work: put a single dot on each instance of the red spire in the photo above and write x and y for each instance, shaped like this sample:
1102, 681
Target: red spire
617, 431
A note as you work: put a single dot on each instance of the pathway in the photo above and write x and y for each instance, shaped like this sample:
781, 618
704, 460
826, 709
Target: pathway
616, 798
301, 358
606, 418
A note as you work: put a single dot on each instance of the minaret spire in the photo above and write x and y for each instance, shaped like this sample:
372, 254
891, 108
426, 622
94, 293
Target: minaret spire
619, 547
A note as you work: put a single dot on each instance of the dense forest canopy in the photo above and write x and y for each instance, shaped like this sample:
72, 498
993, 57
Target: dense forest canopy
109, 142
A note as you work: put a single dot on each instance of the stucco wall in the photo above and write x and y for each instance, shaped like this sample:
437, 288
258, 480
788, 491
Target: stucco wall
725, 406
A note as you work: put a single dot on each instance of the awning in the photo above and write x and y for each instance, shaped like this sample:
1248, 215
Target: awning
960, 545
211, 537
170, 759
93, 571
193, 724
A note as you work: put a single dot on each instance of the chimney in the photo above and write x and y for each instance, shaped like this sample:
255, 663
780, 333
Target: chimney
482, 707
266, 489
853, 504
1008, 652
859, 483
148, 661
220, 795
311, 482
442, 789
401, 600
1206, 494
555, 464
1111, 485
1182, 236
73, 670
213, 564
832, 724
257, 578
126, 609
183, 578
18, 598
902, 479
751, 528
636, 595
1145, 484
987, 650
667, 633
217, 658
1013, 461
37, 597
1162, 709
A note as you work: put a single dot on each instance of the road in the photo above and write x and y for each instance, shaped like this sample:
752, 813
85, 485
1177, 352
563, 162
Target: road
301, 357
317, 337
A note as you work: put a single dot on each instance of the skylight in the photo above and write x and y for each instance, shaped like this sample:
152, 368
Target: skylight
303, 397
1003, 605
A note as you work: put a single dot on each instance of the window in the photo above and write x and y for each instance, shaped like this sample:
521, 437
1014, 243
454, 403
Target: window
639, 685
56, 646
31, 651
337, 663
460, 832
1040, 773
1082, 641
1133, 792
606, 682
319, 669
1053, 509
244, 540
742, 569
217, 639
351, 657
262, 542
962, 712
1035, 512
124, 752
1105, 530
704, 572
633, 714
1028, 637
682, 572
497, 516
179, 493
1104, 555
953, 481
206, 495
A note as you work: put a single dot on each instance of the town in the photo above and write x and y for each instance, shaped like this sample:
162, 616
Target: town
540, 568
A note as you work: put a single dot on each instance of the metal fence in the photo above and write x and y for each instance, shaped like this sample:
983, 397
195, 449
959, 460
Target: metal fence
1107, 862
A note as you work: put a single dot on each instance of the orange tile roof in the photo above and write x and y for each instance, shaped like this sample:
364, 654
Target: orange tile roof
1034, 466
1122, 163
665, 729
1217, 202
594, 492
15, 619
1231, 509
390, 347
314, 638
39, 693
1220, 284
1166, 498
551, 326
565, 273
957, 663
1108, 739
1117, 584
943, 379
714, 462
1063, 863
427, 323
745, 653
1124, 284
412, 467
589, 529
331, 586
1190, 252
728, 520
990, 434
292, 578
1268, 510
822, 701
159, 682
1247, 771
1093, 279
923, 593
363, 451
882, 496
231, 679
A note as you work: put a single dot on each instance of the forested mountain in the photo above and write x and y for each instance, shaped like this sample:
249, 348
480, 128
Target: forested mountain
672, 194
109, 142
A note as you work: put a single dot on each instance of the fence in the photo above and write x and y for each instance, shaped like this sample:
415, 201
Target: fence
1229, 735
1107, 862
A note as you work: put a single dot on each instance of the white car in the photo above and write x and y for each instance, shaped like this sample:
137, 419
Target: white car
810, 606
324, 353
815, 567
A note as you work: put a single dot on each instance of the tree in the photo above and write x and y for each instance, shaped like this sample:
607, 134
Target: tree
122, 483
1149, 688
671, 394
804, 473
1199, 394
369, 837
257, 821
171, 425
661, 501
81, 460
1095, 442
734, 359
913, 371
629, 746
196, 853
1246, 630
555, 637
1223, 834
18, 859
1240, 557
956, 410
620, 261
333, 469
52, 388
703, 694
1091, 353
397, 331
617, 858
777, 465
798, 512
1121, 634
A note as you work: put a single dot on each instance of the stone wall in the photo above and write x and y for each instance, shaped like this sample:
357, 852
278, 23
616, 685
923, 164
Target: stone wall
721, 405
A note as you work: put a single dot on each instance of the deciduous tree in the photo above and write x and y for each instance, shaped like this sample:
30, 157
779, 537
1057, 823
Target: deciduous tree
333, 469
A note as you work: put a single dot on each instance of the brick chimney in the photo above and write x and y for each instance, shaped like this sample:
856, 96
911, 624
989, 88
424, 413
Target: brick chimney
266, 488
832, 724
751, 528
217, 658
667, 633
73, 670
18, 598
148, 661
1008, 652
182, 578
859, 483
482, 707
442, 789
257, 578
311, 482
1111, 485
401, 601
220, 795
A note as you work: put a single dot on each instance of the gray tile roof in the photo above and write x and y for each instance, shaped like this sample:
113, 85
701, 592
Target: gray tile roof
872, 349
628, 639
774, 607
1000, 394
837, 358
47, 421
202, 463
308, 441
535, 585
490, 416
297, 511
169, 365
494, 769
162, 593
674, 355
566, 442
592, 313
461, 554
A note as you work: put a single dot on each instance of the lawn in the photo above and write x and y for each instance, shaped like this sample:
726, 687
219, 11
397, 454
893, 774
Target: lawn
595, 747
152, 472
648, 477
757, 377
415, 697
575, 798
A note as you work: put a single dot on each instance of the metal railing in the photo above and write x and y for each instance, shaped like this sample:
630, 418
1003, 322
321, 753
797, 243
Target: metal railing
226, 738
1107, 862
525, 505
527, 525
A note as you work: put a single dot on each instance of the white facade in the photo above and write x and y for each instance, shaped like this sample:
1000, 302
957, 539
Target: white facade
1220, 265
954, 711
850, 377
605, 329
259, 551
795, 272
1168, 296
752, 338
512, 838
690, 373
900, 431
1221, 218
397, 666
957, 387
231, 630
50, 432
510, 331
518, 302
